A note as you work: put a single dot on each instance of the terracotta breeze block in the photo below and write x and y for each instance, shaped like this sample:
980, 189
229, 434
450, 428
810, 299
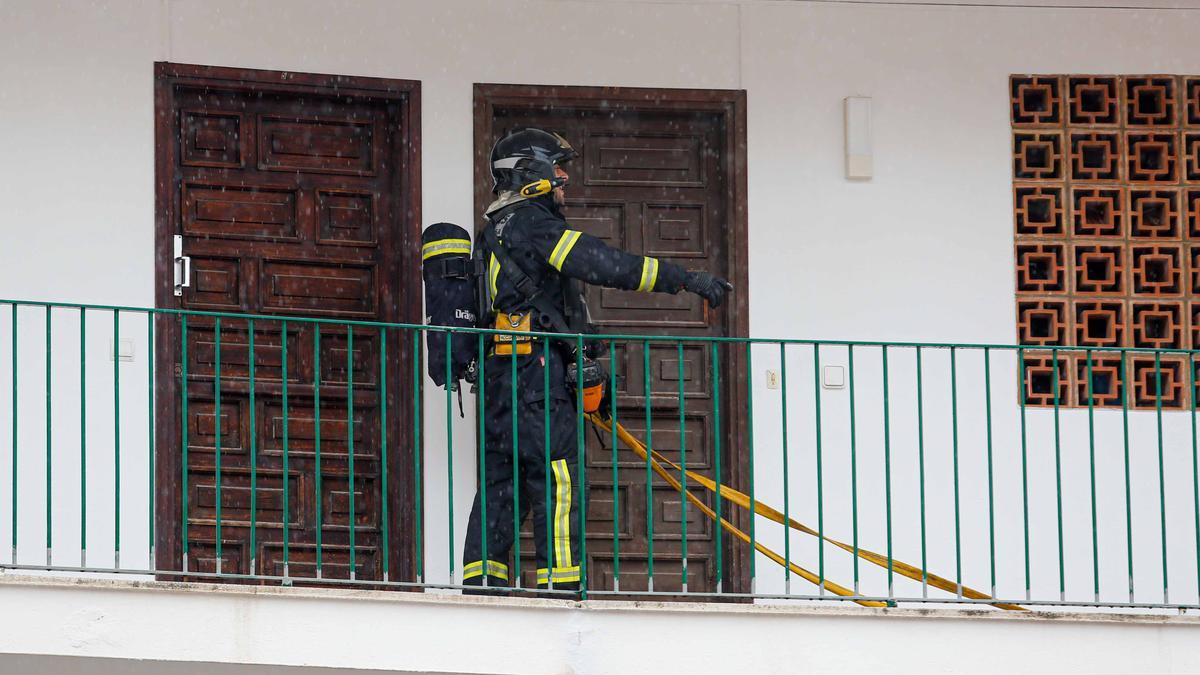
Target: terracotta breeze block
1040, 210
1191, 92
1093, 100
1152, 157
1043, 322
1191, 156
1107, 387
1097, 212
1095, 155
1040, 377
1156, 270
1038, 155
1158, 325
1041, 268
1145, 377
1100, 269
1191, 216
1036, 99
1154, 213
1098, 323
1150, 101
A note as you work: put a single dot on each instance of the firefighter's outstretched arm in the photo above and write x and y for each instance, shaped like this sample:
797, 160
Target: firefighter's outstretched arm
584, 257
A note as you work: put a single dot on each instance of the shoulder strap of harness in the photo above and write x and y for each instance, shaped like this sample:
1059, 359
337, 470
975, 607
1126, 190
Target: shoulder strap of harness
526, 286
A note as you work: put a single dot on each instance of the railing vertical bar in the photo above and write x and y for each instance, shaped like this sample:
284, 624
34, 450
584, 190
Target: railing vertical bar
352, 487
683, 466
987, 399
580, 456
1195, 468
1062, 574
318, 506
750, 449
82, 437
515, 576
383, 464
450, 455
419, 499
183, 450
49, 445
15, 419
286, 463
1024, 465
887, 471
217, 432
1091, 394
481, 493
954, 448
253, 453
117, 445
921, 473
1126, 388
150, 355
854, 469
820, 473
717, 459
1162, 479
612, 413
550, 548
649, 485
783, 420
383, 451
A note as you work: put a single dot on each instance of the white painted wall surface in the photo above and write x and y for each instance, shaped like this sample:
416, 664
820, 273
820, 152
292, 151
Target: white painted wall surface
921, 252
397, 631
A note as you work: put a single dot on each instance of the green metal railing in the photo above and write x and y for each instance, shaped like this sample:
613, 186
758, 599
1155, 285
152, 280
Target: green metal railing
1046, 475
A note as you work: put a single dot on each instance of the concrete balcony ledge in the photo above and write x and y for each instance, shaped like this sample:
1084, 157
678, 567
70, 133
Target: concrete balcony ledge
107, 625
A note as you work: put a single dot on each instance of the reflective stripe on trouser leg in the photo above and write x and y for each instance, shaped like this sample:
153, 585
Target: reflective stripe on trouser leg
562, 514
494, 569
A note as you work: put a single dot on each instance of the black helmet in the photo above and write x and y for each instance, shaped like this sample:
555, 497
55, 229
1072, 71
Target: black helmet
526, 156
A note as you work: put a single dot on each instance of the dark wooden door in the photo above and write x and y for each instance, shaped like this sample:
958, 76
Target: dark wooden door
657, 175
294, 195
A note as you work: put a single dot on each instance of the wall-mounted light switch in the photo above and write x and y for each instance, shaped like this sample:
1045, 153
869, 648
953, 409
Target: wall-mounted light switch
123, 351
834, 377
772, 379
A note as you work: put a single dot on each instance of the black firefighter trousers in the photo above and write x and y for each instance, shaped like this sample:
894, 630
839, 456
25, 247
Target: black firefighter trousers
548, 484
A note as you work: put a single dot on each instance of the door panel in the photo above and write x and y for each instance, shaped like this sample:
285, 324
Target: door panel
653, 177
295, 196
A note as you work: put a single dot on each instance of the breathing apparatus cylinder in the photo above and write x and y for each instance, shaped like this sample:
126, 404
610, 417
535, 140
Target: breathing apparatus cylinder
450, 290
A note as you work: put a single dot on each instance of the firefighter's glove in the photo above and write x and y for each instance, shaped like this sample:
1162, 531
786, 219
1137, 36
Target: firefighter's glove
707, 286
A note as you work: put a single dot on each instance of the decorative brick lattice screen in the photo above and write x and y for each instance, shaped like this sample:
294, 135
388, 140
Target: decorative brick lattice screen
1106, 207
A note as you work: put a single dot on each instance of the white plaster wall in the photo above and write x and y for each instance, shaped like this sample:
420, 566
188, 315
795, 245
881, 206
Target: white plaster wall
921, 252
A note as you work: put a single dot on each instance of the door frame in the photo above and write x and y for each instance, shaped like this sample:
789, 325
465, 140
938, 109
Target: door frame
405, 273
730, 105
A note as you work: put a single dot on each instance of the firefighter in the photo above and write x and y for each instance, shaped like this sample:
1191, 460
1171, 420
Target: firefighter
534, 263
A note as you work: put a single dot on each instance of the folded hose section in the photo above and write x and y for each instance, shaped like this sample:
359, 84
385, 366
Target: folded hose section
741, 499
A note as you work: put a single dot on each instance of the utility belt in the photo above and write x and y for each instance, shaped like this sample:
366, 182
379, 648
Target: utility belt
591, 378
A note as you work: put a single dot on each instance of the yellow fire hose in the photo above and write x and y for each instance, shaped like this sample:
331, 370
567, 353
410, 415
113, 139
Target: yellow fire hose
741, 499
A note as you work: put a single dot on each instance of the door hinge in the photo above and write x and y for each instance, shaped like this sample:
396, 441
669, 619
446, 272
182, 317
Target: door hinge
183, 267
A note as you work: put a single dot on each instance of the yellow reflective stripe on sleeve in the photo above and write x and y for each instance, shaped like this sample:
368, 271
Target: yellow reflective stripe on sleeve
562, 513
649, 274
559, 575
493, 275
563, 248
445, 246
494, 569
